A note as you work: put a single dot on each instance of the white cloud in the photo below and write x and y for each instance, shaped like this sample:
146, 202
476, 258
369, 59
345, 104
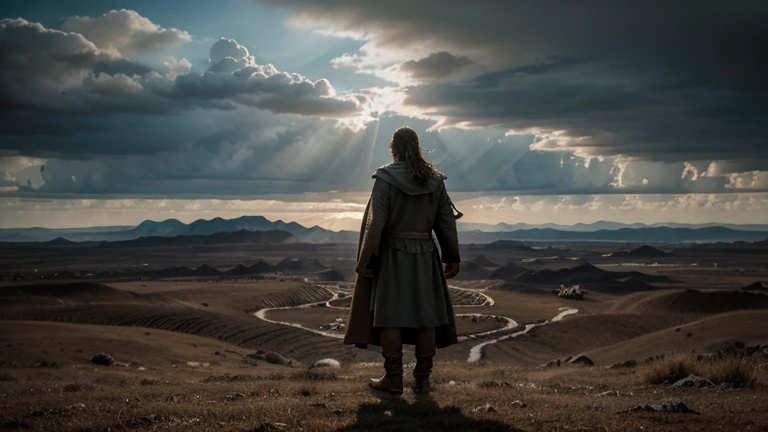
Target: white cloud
56, 71
125, 32
748, 180
229, 48
234, 75
176, 67
691, 170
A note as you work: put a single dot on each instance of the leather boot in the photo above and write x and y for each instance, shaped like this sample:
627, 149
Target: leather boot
392, 381
425, 352
421, 373
392, 351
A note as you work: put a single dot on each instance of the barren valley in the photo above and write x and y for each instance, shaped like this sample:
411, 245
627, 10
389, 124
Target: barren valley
238, 336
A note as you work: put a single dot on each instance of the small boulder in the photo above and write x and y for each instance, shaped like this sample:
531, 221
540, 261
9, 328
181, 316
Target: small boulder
326, 363
272, 357
75, 407
103, 359
582, 360
694, 381
235, 396
485, 408
675, 406
551, 364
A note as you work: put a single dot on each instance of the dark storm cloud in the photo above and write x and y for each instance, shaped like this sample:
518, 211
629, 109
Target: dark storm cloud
244, 153
61, 95
667, 81
436, 65
609, 78
121, 66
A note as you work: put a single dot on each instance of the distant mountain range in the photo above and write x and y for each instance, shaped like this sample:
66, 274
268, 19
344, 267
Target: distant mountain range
601, 225
174, 227
634, 235
223, 237
470, 233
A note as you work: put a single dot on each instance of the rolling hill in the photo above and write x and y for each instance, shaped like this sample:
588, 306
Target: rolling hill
481, 234
237, 237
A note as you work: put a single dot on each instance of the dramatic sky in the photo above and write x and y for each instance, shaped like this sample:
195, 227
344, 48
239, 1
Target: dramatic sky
113, 112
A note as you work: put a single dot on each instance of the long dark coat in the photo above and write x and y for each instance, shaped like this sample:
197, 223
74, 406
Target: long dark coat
437, 210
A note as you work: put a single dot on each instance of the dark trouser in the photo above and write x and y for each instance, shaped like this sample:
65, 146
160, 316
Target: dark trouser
392, 342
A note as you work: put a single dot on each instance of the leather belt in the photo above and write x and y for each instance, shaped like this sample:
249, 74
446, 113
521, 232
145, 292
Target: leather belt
412, 235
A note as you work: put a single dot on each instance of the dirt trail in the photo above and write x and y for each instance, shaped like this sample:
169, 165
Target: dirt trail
475, 352
488, 299
261, 314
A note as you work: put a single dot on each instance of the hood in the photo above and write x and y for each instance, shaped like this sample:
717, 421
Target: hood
399, 175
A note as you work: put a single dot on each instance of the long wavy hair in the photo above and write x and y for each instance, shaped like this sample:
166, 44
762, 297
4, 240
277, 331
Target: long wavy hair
405, 148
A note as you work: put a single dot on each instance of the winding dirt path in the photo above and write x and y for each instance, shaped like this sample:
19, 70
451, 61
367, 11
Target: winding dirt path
262, 315
475, 352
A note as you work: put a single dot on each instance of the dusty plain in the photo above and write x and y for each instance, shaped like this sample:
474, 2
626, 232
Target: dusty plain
225, 348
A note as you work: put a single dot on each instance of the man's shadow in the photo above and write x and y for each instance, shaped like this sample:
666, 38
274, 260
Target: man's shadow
397, 414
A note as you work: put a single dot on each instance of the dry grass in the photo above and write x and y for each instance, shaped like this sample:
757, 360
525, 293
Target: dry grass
480, 399
736, 372
236, 391
670, 369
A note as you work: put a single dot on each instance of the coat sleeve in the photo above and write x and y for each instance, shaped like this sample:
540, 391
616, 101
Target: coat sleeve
445, 228
378, 217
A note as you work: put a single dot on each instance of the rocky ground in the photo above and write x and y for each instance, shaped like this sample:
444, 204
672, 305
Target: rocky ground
484, 398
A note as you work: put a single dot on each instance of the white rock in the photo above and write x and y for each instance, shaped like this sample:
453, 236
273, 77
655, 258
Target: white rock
326, 363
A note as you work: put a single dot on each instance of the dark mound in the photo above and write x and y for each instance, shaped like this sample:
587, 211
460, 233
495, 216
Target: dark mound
589, 274
206, 270
693, 301
483, 261
645, 277
577, 275
472, 271
300, 265
242, 270
756, 286
642, 251
261, 267
633, 284
239, 270
508, 245
173, 272
507, 272
87, 292
559, 260
59, 241
330, 275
